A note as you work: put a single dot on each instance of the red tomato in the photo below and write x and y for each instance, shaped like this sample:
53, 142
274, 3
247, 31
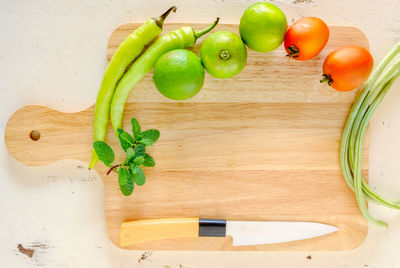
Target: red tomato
347, 68
306, 38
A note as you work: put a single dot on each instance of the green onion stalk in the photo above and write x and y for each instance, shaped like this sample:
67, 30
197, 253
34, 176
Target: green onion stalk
371, 95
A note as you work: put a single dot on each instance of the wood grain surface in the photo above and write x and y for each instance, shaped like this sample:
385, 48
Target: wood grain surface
260, 146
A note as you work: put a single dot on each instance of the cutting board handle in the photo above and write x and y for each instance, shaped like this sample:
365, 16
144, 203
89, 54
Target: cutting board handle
37, 135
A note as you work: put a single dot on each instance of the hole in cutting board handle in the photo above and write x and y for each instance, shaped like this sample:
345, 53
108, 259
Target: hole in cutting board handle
34, 135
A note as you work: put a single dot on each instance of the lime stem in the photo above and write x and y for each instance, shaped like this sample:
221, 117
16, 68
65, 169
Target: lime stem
224, 55
199, 34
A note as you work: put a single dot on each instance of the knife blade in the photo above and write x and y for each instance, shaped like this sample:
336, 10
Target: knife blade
244, 233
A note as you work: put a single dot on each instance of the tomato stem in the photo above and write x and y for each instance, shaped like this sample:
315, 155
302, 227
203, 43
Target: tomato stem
293, 52
327, 79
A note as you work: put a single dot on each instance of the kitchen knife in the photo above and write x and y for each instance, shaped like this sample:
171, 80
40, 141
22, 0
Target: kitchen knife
244, 233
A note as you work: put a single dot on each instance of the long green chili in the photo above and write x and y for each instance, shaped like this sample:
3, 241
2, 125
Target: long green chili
128, 50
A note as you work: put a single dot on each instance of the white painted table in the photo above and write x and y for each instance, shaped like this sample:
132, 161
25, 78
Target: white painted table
53, 53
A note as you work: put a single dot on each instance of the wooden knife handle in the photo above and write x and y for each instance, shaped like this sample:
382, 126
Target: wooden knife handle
133, 232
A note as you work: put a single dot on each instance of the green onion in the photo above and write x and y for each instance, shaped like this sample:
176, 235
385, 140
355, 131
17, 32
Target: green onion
355, 128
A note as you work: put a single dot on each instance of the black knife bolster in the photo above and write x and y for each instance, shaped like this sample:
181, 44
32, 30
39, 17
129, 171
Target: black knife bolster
212, 227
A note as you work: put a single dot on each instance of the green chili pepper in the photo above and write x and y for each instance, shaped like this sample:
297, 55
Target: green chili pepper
183, 37
129, 49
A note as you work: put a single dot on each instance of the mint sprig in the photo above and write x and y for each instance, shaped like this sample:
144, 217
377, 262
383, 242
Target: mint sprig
130, 171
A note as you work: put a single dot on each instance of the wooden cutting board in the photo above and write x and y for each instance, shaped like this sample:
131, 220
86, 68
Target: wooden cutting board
260, 146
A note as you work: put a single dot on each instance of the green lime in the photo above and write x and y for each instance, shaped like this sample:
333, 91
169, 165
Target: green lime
223, 54
263, 27
178, 74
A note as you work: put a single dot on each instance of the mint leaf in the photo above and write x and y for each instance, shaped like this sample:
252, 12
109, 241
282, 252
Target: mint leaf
125, 181
135, 128
138, 160
130, 155
138, 176
148, 161
140, 149
149, 136
104, 152
125, 139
